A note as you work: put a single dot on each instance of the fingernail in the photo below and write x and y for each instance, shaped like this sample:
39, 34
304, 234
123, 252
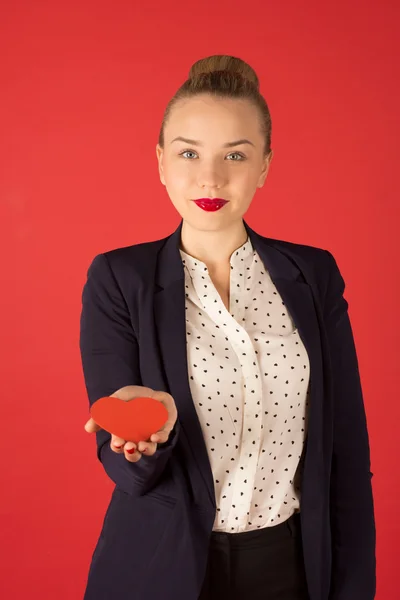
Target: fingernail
132, 450
117, 445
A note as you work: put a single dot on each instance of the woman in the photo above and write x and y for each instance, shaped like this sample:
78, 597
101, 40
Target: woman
259, 485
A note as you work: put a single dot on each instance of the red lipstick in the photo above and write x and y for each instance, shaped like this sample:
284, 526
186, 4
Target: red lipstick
210, 204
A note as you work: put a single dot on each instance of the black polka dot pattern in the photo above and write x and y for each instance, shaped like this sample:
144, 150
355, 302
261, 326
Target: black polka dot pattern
249, 376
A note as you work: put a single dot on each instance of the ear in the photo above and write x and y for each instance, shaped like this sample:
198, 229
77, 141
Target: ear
159, 153
265, 169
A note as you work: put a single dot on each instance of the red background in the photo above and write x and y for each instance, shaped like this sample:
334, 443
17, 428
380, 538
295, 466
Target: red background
83, 87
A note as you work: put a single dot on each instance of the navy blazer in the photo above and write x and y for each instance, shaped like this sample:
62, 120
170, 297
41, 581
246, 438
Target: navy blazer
156, 531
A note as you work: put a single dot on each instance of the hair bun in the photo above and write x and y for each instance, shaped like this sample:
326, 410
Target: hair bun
222, 63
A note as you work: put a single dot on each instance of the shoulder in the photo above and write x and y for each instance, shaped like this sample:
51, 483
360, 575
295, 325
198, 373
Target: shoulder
127, 261
306, 251
318, 266
317, 261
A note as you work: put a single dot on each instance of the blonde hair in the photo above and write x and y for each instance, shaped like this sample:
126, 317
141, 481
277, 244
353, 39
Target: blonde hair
223, 76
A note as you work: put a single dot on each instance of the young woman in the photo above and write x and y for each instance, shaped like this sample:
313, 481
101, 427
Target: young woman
259, 485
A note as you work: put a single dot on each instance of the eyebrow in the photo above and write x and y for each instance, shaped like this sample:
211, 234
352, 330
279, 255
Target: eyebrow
197, 143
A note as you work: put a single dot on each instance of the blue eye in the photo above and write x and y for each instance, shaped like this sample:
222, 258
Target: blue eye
185, 152
242, 157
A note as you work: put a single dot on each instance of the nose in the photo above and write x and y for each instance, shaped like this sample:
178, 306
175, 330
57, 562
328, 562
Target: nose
210, 178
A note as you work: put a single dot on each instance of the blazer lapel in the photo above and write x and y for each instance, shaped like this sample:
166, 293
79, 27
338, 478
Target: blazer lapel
169, 313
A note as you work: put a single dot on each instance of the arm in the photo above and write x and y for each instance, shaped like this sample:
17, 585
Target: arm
351, 499
110, 361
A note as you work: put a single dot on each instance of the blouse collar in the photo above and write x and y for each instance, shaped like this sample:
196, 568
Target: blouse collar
241, 257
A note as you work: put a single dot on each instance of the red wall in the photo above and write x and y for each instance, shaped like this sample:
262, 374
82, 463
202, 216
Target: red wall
83, 87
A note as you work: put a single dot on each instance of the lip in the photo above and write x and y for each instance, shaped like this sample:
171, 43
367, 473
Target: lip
210, 204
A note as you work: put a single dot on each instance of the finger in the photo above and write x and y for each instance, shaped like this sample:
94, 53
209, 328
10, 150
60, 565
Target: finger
160, 437
117, 443
135, 456
129, 392
147, 448
91, 426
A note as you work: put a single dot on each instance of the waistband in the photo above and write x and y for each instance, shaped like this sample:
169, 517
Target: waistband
257, 537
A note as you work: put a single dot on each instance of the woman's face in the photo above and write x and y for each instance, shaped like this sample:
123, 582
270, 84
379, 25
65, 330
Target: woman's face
206, 167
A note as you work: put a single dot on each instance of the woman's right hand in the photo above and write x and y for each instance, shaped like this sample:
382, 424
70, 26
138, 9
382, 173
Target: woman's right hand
147, 447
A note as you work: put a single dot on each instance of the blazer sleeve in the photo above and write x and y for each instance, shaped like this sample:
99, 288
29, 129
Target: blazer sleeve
110, 360
351, 498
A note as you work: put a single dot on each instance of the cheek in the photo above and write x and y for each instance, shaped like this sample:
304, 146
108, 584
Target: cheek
177, 177
249, 182
249, 176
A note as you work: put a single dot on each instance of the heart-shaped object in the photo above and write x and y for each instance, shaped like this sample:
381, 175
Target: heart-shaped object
132, 420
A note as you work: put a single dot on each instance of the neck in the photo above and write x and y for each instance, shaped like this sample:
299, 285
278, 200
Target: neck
214, 247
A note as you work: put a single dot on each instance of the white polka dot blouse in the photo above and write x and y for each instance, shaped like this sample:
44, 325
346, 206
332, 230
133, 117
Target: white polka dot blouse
249, 379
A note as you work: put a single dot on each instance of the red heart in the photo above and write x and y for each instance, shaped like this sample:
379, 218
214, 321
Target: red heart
133, 420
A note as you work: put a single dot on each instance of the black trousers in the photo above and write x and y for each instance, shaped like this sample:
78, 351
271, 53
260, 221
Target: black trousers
264, 564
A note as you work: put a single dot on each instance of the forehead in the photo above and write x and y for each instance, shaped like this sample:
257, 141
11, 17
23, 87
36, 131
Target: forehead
204, 115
